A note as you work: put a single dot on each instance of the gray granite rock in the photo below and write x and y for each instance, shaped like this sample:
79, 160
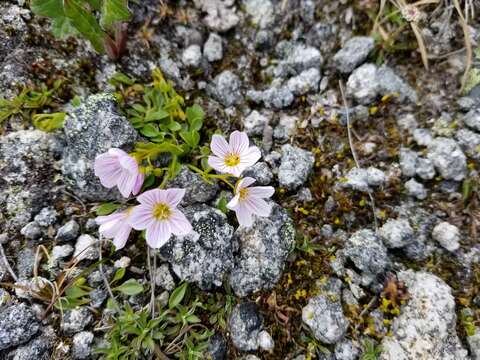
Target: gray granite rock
27, 165
422, 137
262, 12
408, 162
76, 320
46, 217
213, 48
91, 129
227, 88
447, 235
205, 256
25, 262
255, 123
68, 232
245, 325
163, 278
295, 167
391, 83
260, 172
277, 96
474, 345
469, 141
192, 56
221, 14
472, 119
305, 82
39, 348
32, 231
197, 190
363, 179
347, 350
82, 345
367, 252
353, 53
448, 158
86, 248
325, 318
263, 249
296, 58
217, 348
18, 325
416, 189
396, 233
426, 326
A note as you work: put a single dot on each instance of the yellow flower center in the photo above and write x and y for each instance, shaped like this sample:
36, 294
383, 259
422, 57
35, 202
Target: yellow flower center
243, 193
232, 160
162, 211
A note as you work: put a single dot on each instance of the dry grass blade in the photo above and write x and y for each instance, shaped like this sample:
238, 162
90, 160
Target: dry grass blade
421, 44
468, 42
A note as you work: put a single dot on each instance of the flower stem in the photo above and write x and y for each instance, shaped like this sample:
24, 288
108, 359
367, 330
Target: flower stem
205, 176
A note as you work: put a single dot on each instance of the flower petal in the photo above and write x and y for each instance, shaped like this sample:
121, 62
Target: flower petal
121, 237
126, 182
150, 197
141, 217
250, 156
219, 146
239, 142
179, 223
174, 196
158, 233
245, 182
234, 203
138, 184
235, 170
217, 164
261, 191
244, 216
257, 206
108, 169
108, 218
117, 152
129, 164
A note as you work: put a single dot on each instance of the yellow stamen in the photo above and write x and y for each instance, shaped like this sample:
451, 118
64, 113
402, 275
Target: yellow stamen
162, 211
232, 159
243, 193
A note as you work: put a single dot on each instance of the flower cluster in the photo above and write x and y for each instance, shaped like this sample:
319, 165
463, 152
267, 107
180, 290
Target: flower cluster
157, 213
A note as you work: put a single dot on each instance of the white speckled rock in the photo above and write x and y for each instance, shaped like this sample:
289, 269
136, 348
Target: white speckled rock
426, 326
447, 235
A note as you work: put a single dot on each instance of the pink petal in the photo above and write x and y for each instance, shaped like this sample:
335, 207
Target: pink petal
158, 233
108, 218
245, 182
239, 142
217, 164
117, 152
138, 184
149, 197
257, 206
126, 182
141, 217
261, 191
244, 216
250, 156
129, 164
121, 237
174, 196
108, 169
110, 229
219, 146
179, 223
233, 204
235, 170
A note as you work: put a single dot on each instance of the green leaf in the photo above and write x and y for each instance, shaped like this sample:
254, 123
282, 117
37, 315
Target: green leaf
85, 23
149, 130
123, 79
222, 204
62, 27
76, 292
177, 295
118, 275
106, 208
130, 287
156, 115
195, 117
49, 122
114, 11
48, 8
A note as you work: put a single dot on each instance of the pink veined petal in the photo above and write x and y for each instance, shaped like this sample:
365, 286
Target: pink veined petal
217, 164
110, 229
117, 152
129, 164
245, 182
244, 216
257, 206
121, 237
138, 184
261, 191
174, 196
158, 233
239, 142
219, 146
179, 223
235, 170
126, 182
108, 169
250, 156
149, 197
234, 203
141, 217
107, 218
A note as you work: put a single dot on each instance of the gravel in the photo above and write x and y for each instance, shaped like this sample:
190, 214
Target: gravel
447, 235
192, 56
68, 232
82, 345
245, 325
416, 189
227, 88
213, 48
353, 53
76, 320
367, 252
18, 325
396, 233
448, 158
295, 167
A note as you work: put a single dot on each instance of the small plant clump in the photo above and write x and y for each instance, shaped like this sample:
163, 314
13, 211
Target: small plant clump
101, 22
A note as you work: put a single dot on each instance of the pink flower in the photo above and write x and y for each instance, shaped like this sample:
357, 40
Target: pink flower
235, 156
115, 226
249, 200
117, 168
158, 214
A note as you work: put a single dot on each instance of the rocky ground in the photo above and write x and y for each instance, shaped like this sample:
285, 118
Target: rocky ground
371, 250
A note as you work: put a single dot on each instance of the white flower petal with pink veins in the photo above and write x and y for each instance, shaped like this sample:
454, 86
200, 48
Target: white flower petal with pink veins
179, 223
239, 142
115, 226
219, 146
158, 233
250, 201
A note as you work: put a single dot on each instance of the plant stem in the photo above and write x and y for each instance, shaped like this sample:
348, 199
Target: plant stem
152, 280
7, 265
102, 273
